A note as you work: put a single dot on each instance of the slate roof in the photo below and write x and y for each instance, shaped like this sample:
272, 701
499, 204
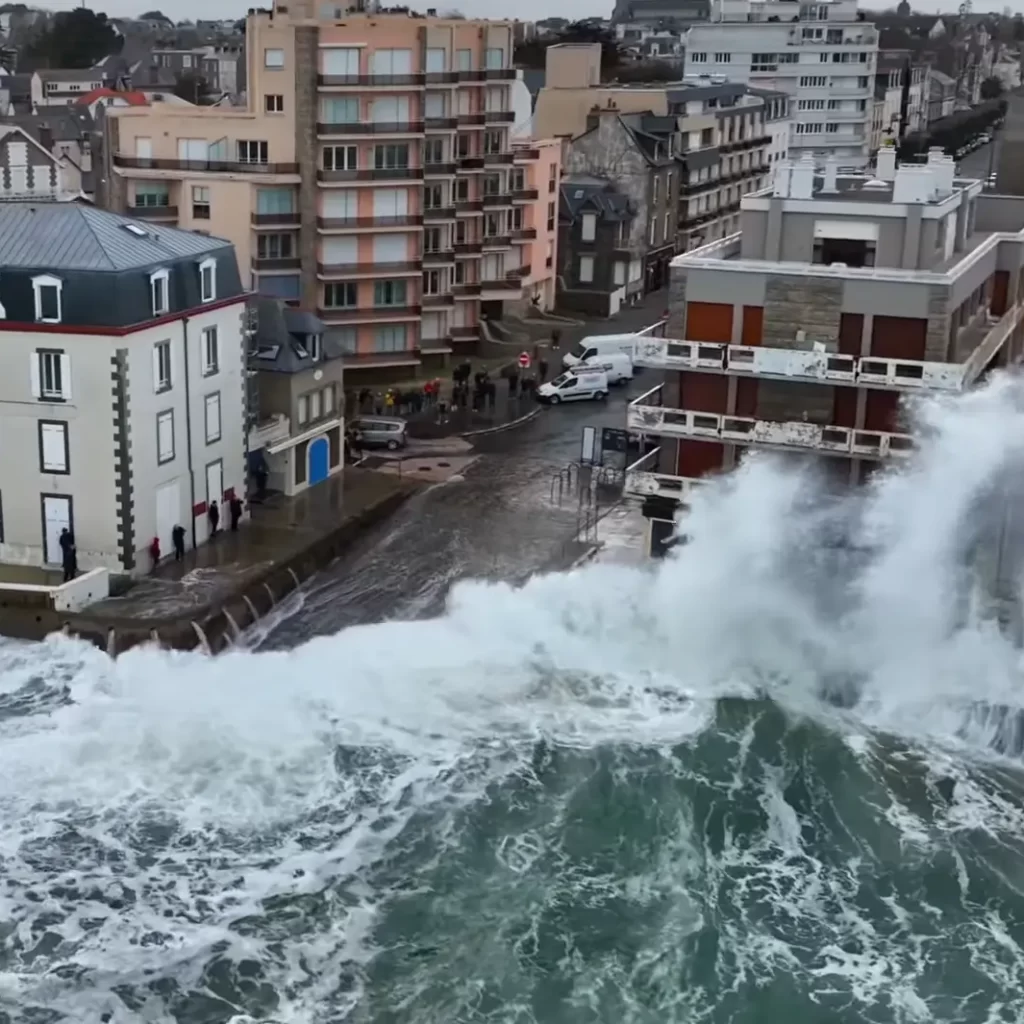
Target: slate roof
280, 332
65, 75
585, 193
66, 124
66, 236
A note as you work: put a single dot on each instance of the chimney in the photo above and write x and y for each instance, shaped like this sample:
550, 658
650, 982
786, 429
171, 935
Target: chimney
914, 183
801, 185
783, 175
46, 137
885, 163
831, 175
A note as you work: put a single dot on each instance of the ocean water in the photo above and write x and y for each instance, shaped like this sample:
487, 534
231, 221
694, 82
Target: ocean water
776, 778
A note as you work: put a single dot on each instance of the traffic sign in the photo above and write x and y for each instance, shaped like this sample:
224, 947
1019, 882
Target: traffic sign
524, 360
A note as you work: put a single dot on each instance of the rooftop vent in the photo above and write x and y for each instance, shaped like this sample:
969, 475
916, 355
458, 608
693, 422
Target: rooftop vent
138, 232
875, 183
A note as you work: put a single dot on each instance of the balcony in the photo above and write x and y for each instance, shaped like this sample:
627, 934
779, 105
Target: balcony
355, 223
438, 301
525, 154
262, 219
643, 481
203, 166
763, 361
439, 213
502, 284
525, 195
471, 333
645, 417
368, 314
152, 212
500, 75
497, 199
471, 120
371, 269
497, 242
469, 206
369, 127
435, 124
468, 248
438, 170
467, 289
370, 360
499, 159
471, 163
435, 256
499, 116
377, 81
373, 174
276, 263
524, 234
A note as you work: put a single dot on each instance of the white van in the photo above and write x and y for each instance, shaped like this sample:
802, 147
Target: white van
599, 345
575, 386
617, 366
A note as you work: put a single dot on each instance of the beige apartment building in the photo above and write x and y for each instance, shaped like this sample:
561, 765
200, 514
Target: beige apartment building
371, 178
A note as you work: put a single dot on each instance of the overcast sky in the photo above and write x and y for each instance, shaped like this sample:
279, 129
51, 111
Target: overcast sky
528, 9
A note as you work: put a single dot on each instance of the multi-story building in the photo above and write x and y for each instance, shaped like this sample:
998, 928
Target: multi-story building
840, 295
817, 53
29, 170
892, 74
660, 12
58, 88
372, 178
122, 384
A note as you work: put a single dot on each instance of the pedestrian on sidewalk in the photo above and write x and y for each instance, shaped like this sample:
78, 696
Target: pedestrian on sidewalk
68, 555
236, 508
542, 369
178, 540
513, 382
389, 402
213, 515
154, 553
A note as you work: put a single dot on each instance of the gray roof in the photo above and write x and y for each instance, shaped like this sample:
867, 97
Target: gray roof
64, 75
67, 236
581, 192
66, 124
280, 332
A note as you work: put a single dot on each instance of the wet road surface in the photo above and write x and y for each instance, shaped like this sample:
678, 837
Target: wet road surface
500, 521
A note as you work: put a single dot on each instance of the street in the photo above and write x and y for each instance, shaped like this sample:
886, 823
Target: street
495, 521
981, 162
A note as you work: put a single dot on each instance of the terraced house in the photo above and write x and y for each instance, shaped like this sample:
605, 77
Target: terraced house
372, 178
839, 296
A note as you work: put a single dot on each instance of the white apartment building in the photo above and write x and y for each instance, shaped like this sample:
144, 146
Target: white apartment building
817, 53
122, 384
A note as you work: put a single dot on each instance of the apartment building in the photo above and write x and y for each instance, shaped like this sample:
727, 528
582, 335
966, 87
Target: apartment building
817, 53
372, 178
840, 295
122, 384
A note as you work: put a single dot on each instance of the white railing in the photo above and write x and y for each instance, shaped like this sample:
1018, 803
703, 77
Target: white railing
690, 423
269, 431
991, 343
643, 482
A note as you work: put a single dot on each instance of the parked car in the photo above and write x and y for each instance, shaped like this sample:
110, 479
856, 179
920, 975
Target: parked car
575, 386
380, 432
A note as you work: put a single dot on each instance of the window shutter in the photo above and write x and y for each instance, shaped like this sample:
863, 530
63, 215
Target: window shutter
33, 362
65, 377
156, 368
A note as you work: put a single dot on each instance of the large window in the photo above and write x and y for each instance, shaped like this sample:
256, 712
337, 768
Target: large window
163, 373
276, 200
152, 193
276, 246
391, 156
340, 158
340, 110
389, 338
212, 417
47, 291
165, 436
54, 454
211, 351
340, 295
253, 151
158, 292
389, 293
208, 280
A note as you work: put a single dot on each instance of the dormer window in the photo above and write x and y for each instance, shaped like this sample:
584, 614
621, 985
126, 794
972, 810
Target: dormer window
159, 292
48, 295
315, 346
208, 280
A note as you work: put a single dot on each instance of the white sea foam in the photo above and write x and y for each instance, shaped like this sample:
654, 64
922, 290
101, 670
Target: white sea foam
233, 757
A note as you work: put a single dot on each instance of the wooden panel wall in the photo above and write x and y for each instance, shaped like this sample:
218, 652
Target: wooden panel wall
709, 321
898, 337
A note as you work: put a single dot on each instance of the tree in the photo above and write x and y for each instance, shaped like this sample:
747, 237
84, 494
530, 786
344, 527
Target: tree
191, 86
649, 71
73, 39
991, 88
1018, 27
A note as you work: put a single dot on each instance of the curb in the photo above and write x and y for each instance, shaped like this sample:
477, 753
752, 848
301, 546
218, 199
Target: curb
504, 426
587, 556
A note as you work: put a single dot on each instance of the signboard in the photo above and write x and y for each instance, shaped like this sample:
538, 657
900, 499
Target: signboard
587, 445
524, 360
614, 440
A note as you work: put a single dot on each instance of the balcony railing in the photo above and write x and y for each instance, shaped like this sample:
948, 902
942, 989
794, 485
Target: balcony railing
467, 288
497, 242
471, 163
499, 116
433, 301
203, 166
498, 199
469, 205
276, 262
468, 248
522, 155
153, 212
369, 127
367, 313
439, 213
471, 120
438, 170
439, 256
373, 267
432, 124
503, 284
643, 480
525, 195
373, 174
275, 218
441, 77
498, 158
344, 223
524, 234
644, 417
373, 80
470, 333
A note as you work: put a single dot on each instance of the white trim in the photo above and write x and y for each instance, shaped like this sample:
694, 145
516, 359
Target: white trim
342, 46
41, 281
160, 275
211, 265
307, 435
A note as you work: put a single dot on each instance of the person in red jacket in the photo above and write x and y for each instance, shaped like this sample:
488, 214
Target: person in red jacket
154, 551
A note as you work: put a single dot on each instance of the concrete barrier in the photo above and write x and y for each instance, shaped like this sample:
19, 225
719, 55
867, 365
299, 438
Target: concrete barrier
72, 596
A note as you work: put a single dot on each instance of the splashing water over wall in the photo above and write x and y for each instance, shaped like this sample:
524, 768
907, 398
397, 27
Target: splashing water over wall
610, 795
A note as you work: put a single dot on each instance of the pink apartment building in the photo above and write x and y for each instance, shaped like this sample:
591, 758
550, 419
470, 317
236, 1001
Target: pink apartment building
372, 177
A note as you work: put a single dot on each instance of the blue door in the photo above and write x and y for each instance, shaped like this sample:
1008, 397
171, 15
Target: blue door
318, 458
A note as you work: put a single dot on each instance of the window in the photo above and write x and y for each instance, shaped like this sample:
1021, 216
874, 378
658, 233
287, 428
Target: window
346, 339
278, 246
463, 145
437, 59
328, 400
51, 375
433, 151
492, 225
273, 103
495, 58
494, 141
275, 201
162, 371
723, 58
47, 291
200, 202
464, 60
315, 347
586, 269
314, 405
619, 273
552, 178
340, 295
303, 413
211, 351
281, 286
152, 193
813, 82
668, 227
54, 456
812, 104
551, 216
252, 151
340, 158
390, 156
164, 436
158, 292
391, 62
462, 189
588, 230
208, 280
699, 58
340, 110
433, 197
389, 338
273, 58
492, 184
340, 60
389, 293
212, 403
432, 282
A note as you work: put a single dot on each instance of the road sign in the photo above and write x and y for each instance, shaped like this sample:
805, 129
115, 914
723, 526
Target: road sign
614, 440
524, 360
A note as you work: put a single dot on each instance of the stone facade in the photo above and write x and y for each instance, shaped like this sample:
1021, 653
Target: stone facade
936, 344
792, 304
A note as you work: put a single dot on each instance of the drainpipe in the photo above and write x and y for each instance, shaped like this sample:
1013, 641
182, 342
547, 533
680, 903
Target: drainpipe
188, 434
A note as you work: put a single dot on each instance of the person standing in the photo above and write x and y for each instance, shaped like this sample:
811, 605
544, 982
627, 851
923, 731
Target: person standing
213, 515
235, 506
68, 556
178, 540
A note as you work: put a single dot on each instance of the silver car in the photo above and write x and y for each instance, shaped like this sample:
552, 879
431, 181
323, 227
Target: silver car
380, 432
